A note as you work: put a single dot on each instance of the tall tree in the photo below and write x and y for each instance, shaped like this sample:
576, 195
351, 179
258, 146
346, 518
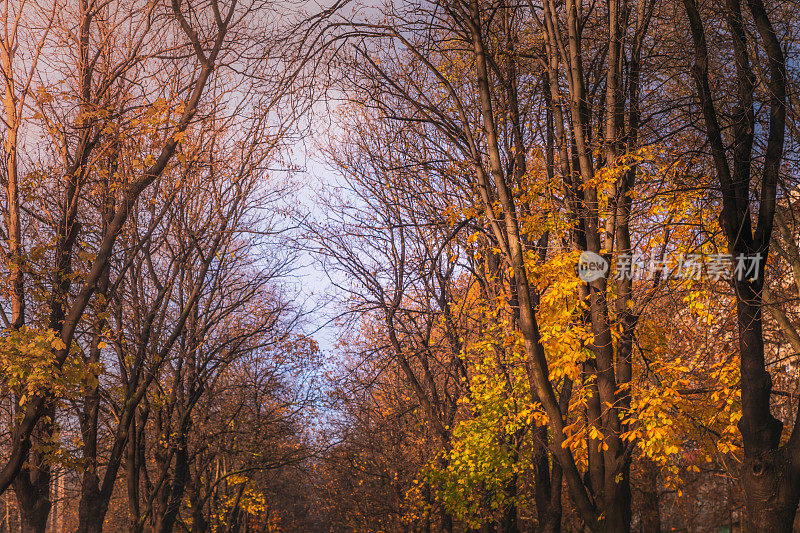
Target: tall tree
769, 471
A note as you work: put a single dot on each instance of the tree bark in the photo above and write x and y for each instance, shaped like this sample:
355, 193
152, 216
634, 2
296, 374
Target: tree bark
32, 487
651, 501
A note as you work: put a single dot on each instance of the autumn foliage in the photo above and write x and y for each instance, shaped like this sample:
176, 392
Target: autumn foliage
459, 265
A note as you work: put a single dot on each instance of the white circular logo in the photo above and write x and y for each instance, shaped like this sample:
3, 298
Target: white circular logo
591, 266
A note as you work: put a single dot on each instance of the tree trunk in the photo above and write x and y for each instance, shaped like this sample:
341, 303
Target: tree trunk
768, 476
91, 512
771, 495
618, 504
509, 520
32, 487
650, 510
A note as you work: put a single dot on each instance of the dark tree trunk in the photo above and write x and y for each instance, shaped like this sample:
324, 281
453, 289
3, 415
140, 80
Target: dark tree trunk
618, 503
509, 521
32, 487
650, 510
447, 522
768, 475
91, 511
167, 521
